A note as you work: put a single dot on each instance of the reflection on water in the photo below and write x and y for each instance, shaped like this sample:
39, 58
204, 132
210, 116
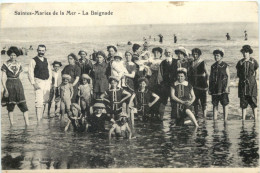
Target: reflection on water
217, 144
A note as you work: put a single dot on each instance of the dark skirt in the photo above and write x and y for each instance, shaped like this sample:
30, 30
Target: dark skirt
15, 91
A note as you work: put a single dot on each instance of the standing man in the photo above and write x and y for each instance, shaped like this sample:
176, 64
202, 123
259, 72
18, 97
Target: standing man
40, 77
166, 76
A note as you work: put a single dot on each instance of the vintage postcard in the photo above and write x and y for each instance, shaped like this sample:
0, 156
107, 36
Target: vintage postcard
129, 86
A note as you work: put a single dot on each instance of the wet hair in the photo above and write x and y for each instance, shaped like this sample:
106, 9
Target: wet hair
157, 49
102, 54
82, 51
41, 45
196, 50
218, 52
135, 47
73, 56
181, 72
13, 50
113, 47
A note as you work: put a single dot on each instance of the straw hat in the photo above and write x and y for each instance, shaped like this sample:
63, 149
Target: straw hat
85, 76
118, 54
182, 70
182, 50
116, 78
66, 76
99, 105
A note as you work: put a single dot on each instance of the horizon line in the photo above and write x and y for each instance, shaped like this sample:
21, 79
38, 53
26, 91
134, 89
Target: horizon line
131, 24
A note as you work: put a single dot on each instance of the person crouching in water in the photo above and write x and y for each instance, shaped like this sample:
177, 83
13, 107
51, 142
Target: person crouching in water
115, 97
85, 92
143, 99
76, 118
183, 96
96, 121
65, 94
121, 128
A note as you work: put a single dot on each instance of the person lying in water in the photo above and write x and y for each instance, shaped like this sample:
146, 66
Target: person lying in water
121, 128
76, 118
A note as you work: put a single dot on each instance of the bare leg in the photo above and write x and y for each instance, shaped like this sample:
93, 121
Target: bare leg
192, 117
215, 112
225, 112
39, 113
26, 118
44, 107
255, 113
243, 114
11, 117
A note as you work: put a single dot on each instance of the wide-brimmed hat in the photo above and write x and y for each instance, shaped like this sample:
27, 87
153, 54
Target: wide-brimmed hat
143, 79
112, 46
85, 76
182, 70
66, 76
123, 114
196, 50
182, 50
158, 49
219, 51
99, 105
57, 62
118, 54
76, 106
247, 48
116, 78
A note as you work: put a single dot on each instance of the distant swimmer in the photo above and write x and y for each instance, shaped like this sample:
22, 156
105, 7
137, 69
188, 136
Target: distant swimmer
228, 36
129, 43
245, 35
175, 38
3, 52
30, 48
161, 38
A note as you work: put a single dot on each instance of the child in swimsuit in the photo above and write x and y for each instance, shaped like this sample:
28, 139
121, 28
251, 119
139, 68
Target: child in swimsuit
65, 93
121, 128
76, 118
84, 92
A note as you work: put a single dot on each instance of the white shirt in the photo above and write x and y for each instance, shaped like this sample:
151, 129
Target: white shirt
31, 70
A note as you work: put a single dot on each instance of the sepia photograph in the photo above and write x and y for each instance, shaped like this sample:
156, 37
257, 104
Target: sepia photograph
112, 86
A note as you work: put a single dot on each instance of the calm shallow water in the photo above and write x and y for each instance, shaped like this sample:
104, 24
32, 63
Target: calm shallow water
213, 144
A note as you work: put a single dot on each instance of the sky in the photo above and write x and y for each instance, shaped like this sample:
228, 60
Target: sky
128, 13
